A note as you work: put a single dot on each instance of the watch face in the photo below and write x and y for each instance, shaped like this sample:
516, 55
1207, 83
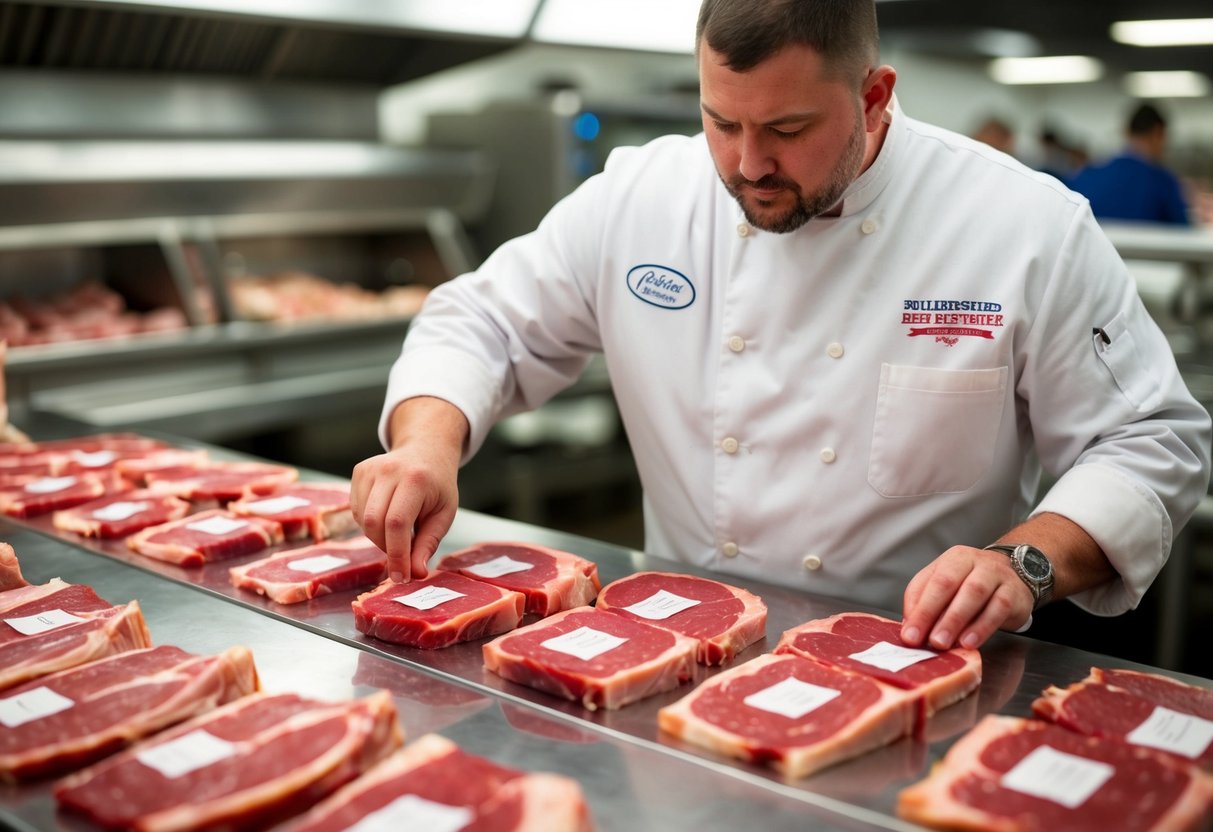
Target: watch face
1036, 565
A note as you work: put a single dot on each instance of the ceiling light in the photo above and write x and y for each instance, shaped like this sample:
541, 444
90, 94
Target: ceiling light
1191, 32
1180, 84
1057, 69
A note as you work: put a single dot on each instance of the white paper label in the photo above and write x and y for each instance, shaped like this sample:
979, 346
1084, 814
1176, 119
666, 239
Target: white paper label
217, 525
121, 510
497, 567
49, 485
1173, 731
277, 505
319, 563
893, 657
32, 625
413, 812
31, 705
97, 459
428, 597
661, 605
187, 753
791, 698
585, 643
1054, 775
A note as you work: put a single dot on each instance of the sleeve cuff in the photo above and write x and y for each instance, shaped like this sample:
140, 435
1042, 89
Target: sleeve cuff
1127, 521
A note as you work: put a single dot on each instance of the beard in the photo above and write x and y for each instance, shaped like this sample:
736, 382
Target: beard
760, 213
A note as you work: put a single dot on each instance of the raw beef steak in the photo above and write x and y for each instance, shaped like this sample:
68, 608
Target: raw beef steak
250, 763
315, 510
431, 783
794, 714
869, 644
10, 569
104, 442
443, 609
300, 574
723, 619
550, 579
219, 482
1020, 774
46, 494
597, 658
120, 515
136, 470
69, 719
1140, 708
57, 625
206, 537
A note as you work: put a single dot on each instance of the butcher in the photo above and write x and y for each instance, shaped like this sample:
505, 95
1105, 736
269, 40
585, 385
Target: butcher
844, 344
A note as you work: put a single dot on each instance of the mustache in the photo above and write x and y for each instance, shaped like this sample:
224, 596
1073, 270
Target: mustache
766, 183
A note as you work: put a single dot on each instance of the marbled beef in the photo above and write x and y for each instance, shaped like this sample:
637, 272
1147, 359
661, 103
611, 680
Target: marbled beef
218, 483
119, 515
315, 510
46, 494
550, 579
438, 611
205, 537
301, 574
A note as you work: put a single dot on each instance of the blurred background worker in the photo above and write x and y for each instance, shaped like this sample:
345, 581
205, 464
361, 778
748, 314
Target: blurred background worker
1135, 185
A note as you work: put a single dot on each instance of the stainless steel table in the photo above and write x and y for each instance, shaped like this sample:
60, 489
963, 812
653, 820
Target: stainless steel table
634, 776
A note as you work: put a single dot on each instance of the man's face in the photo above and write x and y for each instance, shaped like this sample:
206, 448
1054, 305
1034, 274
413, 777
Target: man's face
786, 142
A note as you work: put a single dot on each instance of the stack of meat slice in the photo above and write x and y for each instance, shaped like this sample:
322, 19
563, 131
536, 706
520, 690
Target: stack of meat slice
1141, 708
10, 569
794, 714
723, 619
595, 657
120, 515
248, 764
432, 784
46, 494
58, 625
550, 579
205, 537
871, 645
218, 483
443, 609
301, 574
66, 720
315, 510
1019, 774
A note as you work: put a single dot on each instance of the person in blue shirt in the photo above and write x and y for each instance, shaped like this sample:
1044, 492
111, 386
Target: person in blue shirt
1133, 185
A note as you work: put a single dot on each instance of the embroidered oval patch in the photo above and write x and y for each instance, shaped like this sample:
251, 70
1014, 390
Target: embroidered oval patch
661, 286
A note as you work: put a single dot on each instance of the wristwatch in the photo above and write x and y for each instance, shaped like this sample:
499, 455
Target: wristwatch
1032, 566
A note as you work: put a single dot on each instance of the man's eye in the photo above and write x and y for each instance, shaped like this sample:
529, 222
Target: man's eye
724, 126
787, 134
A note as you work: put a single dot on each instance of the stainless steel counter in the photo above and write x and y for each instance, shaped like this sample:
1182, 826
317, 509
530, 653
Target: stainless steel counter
635, 777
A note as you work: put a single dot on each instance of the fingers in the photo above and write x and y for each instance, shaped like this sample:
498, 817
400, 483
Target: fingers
430, 532
963, 598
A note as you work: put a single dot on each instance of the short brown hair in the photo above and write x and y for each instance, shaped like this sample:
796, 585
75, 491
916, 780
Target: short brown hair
748, 32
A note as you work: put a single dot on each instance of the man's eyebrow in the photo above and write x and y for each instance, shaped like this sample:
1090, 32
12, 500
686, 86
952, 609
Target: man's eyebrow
790, 118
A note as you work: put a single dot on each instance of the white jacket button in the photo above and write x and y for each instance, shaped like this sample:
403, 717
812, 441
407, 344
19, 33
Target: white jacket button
729, 550
828, 455
812, 563
737, 343
743, 230
835, 350
868, 226
729, 445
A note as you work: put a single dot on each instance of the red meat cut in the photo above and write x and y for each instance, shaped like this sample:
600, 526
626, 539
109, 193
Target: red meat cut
723, 619
10, 569
315, 510
250, 763
1141, 708
791, 713
46, 494
69, 719
218, 483
301, 574
443, 609
124, 442
205, 537
433, 783
57, 625
550, 579
871, 645
1009, 774
594, 657
119, 515
136, 470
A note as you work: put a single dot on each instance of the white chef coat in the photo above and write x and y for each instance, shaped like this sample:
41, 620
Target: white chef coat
832, 408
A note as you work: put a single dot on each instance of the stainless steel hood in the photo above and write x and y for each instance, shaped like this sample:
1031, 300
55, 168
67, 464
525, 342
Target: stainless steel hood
367, 41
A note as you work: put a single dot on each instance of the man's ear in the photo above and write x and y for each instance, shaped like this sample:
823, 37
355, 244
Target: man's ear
877, 93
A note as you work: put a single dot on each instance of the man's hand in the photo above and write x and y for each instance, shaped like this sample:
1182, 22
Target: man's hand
962, 597
405, 500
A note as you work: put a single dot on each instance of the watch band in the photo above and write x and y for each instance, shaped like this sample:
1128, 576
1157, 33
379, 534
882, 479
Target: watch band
1042, 589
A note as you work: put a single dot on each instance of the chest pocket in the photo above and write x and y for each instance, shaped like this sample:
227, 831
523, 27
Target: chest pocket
935, 429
